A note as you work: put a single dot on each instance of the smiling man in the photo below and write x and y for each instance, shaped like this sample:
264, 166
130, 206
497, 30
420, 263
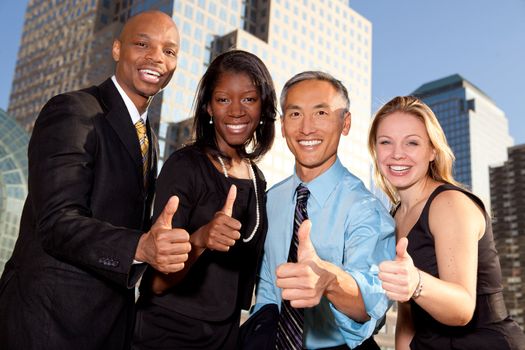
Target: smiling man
85, 231
323, 275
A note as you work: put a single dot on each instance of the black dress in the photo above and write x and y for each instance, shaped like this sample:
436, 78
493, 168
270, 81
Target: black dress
203, 310
491, 327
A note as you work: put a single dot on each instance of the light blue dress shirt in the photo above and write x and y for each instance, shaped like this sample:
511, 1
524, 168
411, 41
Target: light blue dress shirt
352, 230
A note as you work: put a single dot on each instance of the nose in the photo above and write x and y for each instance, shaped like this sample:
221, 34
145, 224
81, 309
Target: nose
307, 125
236, 108
155, 54
398, 152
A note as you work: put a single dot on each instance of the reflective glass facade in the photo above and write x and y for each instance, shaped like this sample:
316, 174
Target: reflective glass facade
66, 45
13, 182
476, 129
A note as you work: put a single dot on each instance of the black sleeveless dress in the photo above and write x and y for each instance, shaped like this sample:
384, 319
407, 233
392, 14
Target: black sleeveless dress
491, 327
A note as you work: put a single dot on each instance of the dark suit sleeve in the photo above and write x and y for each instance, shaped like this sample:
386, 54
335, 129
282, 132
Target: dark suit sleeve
62, 165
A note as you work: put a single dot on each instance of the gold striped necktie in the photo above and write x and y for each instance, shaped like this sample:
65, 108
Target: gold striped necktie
144, 145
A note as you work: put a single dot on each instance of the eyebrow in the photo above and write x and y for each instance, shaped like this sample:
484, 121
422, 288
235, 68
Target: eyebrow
317, 106
292, 107
411, 135
146, 36
217, 90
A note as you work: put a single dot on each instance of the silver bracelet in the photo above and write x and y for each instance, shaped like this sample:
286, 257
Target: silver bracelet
419, 287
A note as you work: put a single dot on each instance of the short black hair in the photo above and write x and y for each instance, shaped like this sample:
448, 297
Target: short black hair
236, 61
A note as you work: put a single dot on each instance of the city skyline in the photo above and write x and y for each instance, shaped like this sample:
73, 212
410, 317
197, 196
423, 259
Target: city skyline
492, 54
494, 23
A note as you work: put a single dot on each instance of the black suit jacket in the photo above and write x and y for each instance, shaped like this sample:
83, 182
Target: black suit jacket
69, 283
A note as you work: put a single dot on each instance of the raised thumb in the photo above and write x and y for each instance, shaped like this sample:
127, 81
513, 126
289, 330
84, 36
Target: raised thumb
401, 248
303, 236
166, 217
230, 200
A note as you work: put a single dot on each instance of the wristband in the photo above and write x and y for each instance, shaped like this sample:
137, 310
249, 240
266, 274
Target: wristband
419, 288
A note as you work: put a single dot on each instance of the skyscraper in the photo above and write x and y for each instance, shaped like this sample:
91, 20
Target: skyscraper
13, 182
66, 45
507, 190
476, 129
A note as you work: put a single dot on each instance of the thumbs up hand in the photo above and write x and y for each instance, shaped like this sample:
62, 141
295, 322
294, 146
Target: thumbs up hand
399, 277
222, 231
303, 283
305, 248
163, 247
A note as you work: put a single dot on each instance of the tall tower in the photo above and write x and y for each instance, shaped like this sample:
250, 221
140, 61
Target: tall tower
289, 38
66, 45
54, 56
476, 129
507, 189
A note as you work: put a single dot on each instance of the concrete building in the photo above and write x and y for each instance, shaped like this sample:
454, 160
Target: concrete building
507, 189
13, 182
476, 129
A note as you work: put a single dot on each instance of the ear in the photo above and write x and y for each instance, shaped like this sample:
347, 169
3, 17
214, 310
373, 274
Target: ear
209, 110
434, 154
115, 51
347, 122
282, 127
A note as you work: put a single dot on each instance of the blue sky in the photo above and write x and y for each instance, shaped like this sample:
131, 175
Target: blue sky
417, 41
414, 42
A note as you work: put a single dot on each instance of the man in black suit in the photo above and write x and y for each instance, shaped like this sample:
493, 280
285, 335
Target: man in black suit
85, 234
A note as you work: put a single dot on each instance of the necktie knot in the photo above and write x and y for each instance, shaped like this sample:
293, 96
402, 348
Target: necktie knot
141, 128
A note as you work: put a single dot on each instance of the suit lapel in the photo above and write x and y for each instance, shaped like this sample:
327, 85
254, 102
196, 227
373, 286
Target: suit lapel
120, 120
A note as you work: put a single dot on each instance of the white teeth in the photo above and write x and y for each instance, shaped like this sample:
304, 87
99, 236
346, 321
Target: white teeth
151, 72
309, 142
236, 126
399, 167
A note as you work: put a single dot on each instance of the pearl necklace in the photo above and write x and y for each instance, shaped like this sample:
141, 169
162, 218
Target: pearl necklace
252, 177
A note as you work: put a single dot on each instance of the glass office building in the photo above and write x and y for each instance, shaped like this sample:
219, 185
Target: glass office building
66, 45
13, 182
476, 129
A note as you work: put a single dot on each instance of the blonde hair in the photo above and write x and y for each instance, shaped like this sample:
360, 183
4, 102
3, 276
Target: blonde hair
440, 169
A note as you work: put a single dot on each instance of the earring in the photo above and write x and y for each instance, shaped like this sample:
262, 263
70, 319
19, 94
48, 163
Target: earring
211, 120
261, 122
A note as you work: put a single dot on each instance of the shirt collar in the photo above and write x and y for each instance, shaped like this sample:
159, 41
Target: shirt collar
322, 186
132, 109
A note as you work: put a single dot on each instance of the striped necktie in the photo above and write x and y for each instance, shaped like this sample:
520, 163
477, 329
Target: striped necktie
144, 145
290, 326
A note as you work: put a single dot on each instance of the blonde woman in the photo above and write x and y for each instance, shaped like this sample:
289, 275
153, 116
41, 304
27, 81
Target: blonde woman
446, 275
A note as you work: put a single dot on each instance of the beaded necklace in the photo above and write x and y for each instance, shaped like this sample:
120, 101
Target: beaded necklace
252, 177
